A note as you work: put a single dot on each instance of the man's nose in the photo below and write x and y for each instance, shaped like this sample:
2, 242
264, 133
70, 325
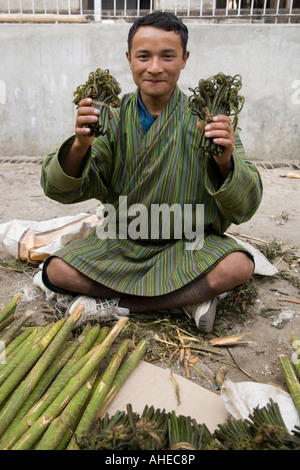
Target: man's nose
154, 65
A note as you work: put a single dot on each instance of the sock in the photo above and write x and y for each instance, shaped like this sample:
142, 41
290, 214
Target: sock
196, 292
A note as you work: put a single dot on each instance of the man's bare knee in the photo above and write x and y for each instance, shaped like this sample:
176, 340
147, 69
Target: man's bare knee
235, 269
56, 270
243, 266
63, 275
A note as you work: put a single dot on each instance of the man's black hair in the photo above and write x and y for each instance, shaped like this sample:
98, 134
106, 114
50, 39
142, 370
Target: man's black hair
162, 20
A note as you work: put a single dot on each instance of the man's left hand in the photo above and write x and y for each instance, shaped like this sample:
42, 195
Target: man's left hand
222, 133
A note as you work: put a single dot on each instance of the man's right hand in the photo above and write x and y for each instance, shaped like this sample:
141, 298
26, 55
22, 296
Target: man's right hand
86, 114
73, 161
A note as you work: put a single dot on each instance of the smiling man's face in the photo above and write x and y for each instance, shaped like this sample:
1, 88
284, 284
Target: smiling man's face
156, 60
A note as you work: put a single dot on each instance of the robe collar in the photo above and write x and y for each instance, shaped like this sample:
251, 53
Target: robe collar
146, 118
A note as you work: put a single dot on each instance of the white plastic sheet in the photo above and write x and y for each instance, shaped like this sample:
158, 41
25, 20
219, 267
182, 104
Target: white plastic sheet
262, 266
241, 398
34, 241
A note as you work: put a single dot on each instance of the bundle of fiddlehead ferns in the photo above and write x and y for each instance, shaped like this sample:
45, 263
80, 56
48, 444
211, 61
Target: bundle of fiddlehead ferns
104, 89
156, 429
218, 94
152, 429
263, 430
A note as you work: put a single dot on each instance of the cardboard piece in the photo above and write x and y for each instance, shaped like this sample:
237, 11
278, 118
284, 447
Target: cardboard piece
152, 385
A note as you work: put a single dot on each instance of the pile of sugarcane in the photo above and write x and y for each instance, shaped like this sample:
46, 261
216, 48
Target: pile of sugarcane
104, 89
53, 384
215, 95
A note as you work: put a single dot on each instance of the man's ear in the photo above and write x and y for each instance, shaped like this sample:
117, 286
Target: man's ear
128, 58
184, 60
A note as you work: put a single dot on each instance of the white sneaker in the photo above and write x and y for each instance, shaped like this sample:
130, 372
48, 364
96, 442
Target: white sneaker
96, 308
203, 314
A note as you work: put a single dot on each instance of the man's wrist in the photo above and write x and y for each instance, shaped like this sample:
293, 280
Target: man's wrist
73, 162
225, 167
78, 148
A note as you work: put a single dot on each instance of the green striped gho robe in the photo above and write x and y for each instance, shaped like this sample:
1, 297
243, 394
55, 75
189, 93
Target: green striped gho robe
163, 166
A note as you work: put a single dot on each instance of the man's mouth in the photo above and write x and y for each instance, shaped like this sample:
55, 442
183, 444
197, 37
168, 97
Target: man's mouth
153, 81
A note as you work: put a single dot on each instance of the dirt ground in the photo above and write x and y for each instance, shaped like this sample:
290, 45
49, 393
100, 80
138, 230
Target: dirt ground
278, 218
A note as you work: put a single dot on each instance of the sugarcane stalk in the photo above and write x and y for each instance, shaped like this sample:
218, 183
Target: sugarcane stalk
6, 322
10, 308
65, 439
10, 333
101, 336
13, 346
46, 379
10, 409
69, 433
44, 357
16, 359
73, 366
98, 395
56, 430
87, 340
291, 380
64, 442
38, 427
18, 428
2, 356
123, 373
8, 352
34, 336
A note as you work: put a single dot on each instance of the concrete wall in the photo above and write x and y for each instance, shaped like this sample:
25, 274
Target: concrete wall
41, 65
